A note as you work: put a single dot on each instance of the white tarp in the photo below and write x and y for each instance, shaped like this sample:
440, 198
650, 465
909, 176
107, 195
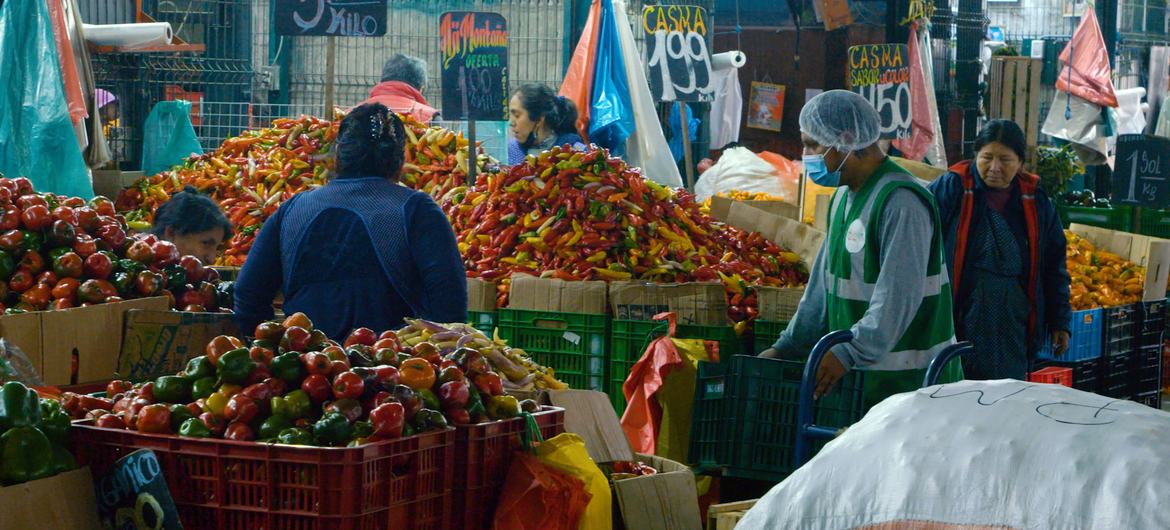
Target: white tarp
739, 169
979, 454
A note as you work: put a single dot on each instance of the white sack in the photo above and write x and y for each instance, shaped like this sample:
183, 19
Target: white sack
740, 169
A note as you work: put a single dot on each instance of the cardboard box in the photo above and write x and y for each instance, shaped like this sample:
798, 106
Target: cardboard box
778, 304
1150, 252
798, 237
157, 343
481, 295
108, 183
721, 208
726, 516
24, 331
666, 501
697, 303
62, 501
925, 172
548, 294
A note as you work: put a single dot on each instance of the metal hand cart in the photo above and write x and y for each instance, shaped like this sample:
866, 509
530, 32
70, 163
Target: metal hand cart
805, 429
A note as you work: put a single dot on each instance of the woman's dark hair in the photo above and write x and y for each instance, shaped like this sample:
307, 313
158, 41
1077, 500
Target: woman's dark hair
370, 142
190, 212
1005, 132
540, 101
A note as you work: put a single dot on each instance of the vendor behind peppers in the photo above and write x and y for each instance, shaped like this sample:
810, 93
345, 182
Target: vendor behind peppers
194, 223
361, 251
881, 272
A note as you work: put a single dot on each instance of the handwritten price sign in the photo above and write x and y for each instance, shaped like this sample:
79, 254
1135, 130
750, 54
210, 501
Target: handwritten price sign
677, 54
1141, 176
331, 18
473, 48
881, 74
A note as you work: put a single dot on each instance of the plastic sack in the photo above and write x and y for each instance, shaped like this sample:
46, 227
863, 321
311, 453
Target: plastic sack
168, 137
16, 366
578, 83
740, 169
1087, 73
611, 121
921, 130
537, 496
567, 453
789, 172
1003, 454
660, 391
1085, 128
37, 139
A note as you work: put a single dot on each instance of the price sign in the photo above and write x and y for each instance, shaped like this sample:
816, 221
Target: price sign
677, 54
473, 48
1141, 176
133, 495
330, 18
881, 74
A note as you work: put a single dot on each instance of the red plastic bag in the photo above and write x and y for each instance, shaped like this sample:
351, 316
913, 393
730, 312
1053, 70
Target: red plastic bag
537, 496
921, 132
1087, 60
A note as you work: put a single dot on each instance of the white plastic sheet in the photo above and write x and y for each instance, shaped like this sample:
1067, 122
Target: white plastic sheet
1007, 454
740, 169
129, 36
1084, 128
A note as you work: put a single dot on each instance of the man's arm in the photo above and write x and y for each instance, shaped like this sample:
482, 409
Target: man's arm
905, 236
809, 323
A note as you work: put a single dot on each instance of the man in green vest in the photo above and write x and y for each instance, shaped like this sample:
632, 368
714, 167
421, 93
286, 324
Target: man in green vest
881, 272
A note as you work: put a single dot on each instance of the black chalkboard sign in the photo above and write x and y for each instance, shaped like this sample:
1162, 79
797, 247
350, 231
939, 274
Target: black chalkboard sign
133, 495
330, 18
881, 74
473, 54
677, 53
1141, 174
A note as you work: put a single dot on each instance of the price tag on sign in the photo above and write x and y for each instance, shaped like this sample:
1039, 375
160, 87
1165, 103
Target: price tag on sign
881, 74
677, 53
473, 53
1141, 175
330, 18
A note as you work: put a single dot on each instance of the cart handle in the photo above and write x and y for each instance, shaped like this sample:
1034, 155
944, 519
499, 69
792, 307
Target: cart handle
804, 413
940, 361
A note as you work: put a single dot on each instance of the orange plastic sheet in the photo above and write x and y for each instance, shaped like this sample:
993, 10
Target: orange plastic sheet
921, 132
578, 83
76, 101
538, 496
1087, 73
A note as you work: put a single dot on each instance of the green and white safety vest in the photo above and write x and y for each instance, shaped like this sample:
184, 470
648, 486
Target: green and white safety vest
853, 263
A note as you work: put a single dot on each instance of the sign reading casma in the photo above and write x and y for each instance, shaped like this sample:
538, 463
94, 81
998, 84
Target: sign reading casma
881, 74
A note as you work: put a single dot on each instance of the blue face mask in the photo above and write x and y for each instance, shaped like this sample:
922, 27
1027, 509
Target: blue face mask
818, 172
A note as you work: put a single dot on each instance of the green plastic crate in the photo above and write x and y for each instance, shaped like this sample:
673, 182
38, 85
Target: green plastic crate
484, 321
629, 339
744, 419
766, 333
572, 344
1155, 223
1117, 218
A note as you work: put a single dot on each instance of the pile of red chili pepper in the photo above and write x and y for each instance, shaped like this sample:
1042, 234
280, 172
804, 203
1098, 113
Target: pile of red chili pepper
586, 216
249, 176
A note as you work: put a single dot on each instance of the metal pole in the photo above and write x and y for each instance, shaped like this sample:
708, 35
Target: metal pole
330, 74
688, 157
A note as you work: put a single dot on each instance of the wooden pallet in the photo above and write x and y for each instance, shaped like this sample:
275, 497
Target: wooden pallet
726, 516
1015, 94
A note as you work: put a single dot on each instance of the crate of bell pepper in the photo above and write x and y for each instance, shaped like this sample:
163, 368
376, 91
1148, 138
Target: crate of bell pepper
61, 252
33, 436
587, 216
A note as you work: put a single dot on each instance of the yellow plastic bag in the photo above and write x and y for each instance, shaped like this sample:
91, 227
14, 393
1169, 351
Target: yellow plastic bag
567, 453
677, 398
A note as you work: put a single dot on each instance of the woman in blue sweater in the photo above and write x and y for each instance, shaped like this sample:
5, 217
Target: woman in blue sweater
361, 251
540, 119
1006, 254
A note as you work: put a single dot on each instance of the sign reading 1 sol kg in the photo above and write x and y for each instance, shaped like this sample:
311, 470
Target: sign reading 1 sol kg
677, 54
881, 74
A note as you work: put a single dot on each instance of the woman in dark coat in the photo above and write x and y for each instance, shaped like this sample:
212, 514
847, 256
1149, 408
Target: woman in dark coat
1006, 256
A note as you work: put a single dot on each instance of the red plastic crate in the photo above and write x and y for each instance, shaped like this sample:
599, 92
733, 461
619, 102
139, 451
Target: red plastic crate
483, 454
216, 484
1053, 375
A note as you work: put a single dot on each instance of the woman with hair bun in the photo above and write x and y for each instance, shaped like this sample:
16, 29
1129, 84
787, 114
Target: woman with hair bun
361, 251
540, 119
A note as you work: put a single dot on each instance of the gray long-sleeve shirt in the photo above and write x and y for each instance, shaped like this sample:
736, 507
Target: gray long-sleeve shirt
906, 231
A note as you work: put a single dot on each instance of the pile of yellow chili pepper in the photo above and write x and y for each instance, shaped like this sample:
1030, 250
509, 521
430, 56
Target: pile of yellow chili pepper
1100, 278
586, 216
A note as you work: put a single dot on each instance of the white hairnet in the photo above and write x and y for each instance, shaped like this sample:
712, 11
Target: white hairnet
842, 120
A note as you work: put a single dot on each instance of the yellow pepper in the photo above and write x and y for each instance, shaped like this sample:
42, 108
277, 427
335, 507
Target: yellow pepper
596, 257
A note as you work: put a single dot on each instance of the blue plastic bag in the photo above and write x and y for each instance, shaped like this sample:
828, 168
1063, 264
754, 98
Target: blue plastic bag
612, 116
168, 137
36, 134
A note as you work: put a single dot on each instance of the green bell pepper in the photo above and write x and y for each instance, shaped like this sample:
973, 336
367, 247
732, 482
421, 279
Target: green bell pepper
63, 460
429, 420
7, 264
203, 388
123, 283
289, 368
294, 436
172, 389
333, 429
176, 277
54, 421
234, 367
194, 428
503, 407
429, 399
130, 266
293, 406
273, 426
362, 429
19, 406
179, 415
32, 241
26, 455
198, 368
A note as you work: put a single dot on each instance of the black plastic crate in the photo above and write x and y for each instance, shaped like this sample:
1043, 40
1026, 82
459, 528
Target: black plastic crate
1120, 328
1150, 399
1086, 373
1152, 328
1146, 370
1117, 376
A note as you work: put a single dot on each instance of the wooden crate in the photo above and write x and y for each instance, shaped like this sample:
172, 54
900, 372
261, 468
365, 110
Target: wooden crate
1015, 95
726, 516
